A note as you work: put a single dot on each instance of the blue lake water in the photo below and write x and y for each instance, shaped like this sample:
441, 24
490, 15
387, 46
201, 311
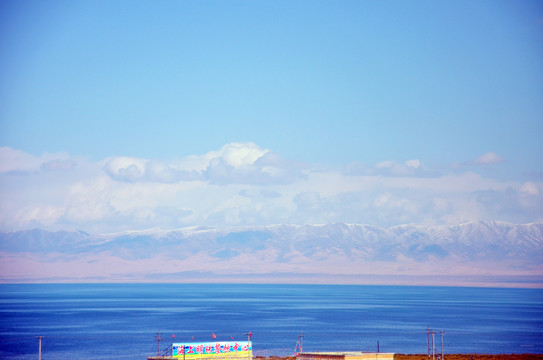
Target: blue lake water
120, 321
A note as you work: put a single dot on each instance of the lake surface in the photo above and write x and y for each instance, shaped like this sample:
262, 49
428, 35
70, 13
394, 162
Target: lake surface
121, 321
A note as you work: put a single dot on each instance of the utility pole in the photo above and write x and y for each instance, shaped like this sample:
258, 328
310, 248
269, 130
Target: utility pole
442, 355
39, 348
158, 339
433, 346
428, 334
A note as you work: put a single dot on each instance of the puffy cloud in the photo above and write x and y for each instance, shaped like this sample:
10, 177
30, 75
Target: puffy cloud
142, 170
408, 168
415, 163
126, 169
16, 161
529, 188
246, 163
386, 164
485, 160
489, 158
241, 154
234, 163
243, 184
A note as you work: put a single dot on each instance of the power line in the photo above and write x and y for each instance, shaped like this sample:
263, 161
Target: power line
432, 348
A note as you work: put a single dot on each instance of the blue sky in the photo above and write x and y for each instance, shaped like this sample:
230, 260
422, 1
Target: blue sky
306, 111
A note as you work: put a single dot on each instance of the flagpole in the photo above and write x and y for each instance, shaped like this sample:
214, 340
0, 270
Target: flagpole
249, 336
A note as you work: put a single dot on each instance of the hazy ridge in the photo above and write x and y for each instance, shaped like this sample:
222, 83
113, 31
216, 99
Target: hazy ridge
338, 249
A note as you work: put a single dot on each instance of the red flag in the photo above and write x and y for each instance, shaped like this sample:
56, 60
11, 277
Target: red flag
231, 337
193, 338
214, 336
173, 336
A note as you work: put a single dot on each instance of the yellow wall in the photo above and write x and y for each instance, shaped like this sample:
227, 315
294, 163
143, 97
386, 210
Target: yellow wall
346, 356
370, 356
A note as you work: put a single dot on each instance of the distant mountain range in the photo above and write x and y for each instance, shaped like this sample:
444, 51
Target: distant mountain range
302, 253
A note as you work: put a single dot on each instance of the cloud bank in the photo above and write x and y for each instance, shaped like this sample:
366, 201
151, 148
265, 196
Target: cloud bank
244, 184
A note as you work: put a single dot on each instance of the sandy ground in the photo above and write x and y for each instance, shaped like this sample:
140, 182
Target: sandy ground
473, 357
425, 357
447, 357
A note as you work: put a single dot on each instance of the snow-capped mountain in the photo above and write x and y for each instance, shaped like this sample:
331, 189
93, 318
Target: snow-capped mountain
482, 248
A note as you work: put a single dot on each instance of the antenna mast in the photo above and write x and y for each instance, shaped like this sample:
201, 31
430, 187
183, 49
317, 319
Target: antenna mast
158, 339
249, 337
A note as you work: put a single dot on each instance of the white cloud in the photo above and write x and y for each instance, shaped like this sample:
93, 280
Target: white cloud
489, 158
415, 163
238, 163
242, 184
58, 165
246, 163
126, 169
16, 161
529, 188
143, 170
386, 164
241, 154
413, 167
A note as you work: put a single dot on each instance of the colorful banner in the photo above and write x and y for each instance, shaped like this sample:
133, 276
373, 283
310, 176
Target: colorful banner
232, 349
